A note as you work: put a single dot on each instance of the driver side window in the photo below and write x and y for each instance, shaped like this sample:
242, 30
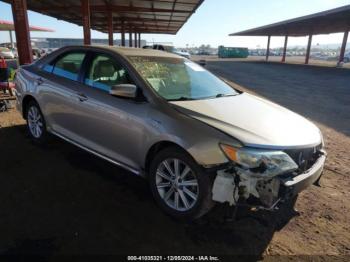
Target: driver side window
105, 72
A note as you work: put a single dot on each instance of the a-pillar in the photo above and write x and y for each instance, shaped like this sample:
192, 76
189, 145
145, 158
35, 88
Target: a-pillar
308, 49
110, 28
268, 48
285, 49
85, 11
20, 18
343, 47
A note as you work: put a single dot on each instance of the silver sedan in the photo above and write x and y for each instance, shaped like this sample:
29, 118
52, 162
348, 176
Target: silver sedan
195, 138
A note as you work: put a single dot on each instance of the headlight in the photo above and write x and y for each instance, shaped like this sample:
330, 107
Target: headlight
271, 162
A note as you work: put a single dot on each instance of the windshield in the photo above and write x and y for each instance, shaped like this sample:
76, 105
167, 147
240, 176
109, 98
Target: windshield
180, 79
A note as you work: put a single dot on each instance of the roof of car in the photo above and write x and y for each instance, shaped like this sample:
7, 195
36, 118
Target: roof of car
130, 51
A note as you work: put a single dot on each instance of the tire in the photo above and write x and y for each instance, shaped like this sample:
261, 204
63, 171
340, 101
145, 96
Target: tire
191, 181
36, 124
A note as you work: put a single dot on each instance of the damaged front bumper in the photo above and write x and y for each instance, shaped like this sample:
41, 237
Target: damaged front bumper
235, 186
294, 185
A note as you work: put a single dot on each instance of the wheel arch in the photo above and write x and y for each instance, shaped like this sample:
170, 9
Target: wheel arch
157, 147
25, 103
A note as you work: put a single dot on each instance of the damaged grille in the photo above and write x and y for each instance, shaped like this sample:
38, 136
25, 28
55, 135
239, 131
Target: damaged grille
306, 157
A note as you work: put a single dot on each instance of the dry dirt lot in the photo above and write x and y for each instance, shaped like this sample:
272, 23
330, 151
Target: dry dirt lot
58, 200
297, 60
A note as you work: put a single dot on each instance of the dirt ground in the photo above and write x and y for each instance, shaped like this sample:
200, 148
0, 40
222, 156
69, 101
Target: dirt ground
59, 200
297, 60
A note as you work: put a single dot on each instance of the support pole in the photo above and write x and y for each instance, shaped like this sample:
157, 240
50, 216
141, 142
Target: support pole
139, 39
20, 18
110, 28
130, 37
11, 39
308, 49
135, 35
268, 48
123, 33
85, 10
343, 47
285, 49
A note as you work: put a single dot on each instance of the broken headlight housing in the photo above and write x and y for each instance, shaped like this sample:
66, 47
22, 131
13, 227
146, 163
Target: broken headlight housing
265, 162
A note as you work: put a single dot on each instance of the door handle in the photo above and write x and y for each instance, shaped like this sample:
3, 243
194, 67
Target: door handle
39, 81
82, 97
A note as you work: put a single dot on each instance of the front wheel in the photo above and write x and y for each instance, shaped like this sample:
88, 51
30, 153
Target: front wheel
179, 185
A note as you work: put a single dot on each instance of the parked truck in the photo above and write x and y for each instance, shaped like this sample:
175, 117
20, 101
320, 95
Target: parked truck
233, 52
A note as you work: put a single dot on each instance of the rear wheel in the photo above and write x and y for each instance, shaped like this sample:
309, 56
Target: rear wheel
179, 185
36, 123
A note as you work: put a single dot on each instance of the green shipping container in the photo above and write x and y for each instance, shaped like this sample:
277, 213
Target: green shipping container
233, 52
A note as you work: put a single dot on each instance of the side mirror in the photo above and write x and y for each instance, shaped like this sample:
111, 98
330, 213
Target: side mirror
124, 90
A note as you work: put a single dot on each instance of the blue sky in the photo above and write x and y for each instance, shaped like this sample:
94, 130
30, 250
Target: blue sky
211, 23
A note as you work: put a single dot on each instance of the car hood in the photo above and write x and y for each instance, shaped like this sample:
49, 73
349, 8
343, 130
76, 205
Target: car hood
253, 121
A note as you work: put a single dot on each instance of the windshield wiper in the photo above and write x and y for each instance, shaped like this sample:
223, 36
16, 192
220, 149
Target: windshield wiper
182, 98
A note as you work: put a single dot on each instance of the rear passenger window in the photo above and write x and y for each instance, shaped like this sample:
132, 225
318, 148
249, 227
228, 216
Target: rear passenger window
68, 66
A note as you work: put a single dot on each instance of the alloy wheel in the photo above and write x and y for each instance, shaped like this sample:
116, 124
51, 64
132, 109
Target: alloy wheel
35, 122
177, 184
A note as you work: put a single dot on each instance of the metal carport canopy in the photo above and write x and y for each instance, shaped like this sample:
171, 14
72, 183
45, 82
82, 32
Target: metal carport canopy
330, 21
142, 16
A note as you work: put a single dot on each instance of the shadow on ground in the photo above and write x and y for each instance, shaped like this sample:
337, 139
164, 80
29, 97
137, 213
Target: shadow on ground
316, 92
58, 199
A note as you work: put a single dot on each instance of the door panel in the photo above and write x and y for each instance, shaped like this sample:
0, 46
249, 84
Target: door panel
60, 105
58, 93
112, 126
107, 124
